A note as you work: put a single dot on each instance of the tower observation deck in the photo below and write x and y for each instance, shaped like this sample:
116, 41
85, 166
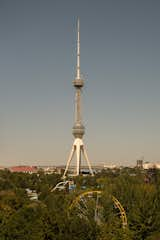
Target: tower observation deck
78, 129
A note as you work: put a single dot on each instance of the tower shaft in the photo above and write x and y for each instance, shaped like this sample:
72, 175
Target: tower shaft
78, 107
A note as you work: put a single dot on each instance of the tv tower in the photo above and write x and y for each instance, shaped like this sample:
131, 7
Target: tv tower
78, 129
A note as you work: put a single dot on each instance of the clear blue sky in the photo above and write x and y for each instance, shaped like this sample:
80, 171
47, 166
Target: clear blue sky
120, 61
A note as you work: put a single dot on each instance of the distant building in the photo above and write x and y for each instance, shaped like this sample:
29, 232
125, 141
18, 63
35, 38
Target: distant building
24, 169
52, 169
2, 168
140, 164
110, 166
149, 165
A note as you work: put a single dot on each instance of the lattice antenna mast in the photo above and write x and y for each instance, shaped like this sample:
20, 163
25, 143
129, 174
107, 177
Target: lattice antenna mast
78, 51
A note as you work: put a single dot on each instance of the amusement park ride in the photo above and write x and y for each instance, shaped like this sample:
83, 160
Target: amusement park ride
90, 199
82, 202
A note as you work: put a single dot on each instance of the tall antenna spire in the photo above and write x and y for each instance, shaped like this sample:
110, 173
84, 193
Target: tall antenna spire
78, 50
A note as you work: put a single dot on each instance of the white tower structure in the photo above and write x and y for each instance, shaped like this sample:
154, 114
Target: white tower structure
78, 130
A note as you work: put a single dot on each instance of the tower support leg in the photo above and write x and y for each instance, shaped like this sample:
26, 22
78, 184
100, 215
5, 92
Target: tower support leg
87, 160
69, 160
78, 153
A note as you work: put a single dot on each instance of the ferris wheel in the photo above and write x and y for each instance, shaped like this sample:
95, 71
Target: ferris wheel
89, 205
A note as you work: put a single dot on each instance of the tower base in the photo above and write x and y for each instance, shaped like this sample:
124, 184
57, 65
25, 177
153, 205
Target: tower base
78, 148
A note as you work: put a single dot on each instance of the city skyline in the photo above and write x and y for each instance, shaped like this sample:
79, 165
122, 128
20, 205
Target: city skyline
120, 59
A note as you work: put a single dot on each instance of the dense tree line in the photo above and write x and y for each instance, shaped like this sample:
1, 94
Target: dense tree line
48, 217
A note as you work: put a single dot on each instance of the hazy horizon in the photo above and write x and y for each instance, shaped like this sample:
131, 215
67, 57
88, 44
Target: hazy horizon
120, 62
